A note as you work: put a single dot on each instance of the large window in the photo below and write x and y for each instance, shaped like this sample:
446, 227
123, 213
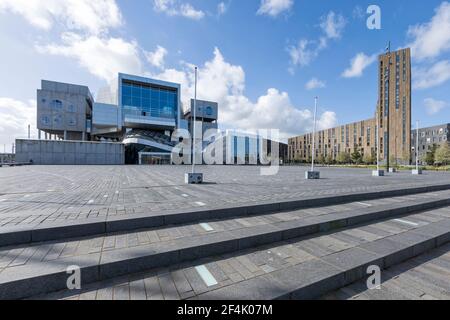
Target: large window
57, 105
140, 100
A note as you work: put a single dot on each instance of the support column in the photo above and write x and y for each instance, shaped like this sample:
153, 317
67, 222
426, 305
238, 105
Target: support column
65, 135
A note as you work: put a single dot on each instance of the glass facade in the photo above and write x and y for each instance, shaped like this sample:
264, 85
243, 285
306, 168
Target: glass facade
141, 100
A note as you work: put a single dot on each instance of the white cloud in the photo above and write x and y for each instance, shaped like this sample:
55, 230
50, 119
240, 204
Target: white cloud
428, 77
315, 83
85, 15
358, 13
15, 117
434, 106
274, 7
333, 25
225, 83
432, 38
358, 64
157, 57
102, 57
175, 8
302, 54
222, 8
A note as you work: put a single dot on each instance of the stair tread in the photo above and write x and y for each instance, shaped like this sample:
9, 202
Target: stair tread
146, 242
273, 271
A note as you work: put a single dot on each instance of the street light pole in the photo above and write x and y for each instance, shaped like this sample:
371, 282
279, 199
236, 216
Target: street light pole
193, 177
417, 171
378, 172
388, 109
377, 136
314, 134
194, 123
312, 175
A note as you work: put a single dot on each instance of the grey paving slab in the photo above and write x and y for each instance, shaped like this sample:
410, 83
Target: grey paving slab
293, 269
425, 277
38, 195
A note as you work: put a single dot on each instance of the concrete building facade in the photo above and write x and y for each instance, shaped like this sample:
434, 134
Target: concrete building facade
64, 111
45, 152
394, 106
428, 137
392, 116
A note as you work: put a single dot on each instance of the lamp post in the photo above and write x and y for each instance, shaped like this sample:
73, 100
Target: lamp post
417, 171
378, 172
313, 175
193, 177
388, 110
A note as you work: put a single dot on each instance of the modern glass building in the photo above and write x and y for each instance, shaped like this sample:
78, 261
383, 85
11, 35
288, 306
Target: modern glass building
149, 104
150, 111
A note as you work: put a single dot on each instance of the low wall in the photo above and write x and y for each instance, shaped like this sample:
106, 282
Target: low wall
49, 152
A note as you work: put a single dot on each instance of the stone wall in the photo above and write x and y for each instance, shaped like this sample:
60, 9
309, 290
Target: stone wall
46, 152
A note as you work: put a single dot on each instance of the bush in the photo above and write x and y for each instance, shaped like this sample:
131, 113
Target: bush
343, 158
442, 155
369, 159
356, 157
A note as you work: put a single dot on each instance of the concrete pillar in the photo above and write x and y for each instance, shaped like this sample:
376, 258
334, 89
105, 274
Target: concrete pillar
83, 138
46, 136
39, 134
65, 134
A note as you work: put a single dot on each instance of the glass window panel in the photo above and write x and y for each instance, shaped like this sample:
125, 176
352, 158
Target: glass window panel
136, 101
164, 95
146, 93
127, 101
136, 91
146, 104
155, 94
126, 90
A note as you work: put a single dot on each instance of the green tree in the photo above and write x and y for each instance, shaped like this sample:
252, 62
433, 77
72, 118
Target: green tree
442, 155
343, 158
356, 157
430, 156
369, 159
329, 159
320, 159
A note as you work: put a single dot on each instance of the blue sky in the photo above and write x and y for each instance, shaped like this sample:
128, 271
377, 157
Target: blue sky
256, 57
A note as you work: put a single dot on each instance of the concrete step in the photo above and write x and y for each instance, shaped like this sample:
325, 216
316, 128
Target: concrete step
426, 277
315, 278
29, 273
301, 268
15, 235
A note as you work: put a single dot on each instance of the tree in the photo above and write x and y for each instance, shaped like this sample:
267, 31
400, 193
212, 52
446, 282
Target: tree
320, 159
329, 159
368, 158
442, 155
343, 158
356, 157
429, 158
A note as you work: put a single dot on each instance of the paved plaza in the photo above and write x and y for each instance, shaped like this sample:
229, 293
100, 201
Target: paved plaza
139, 232
233, 273
37, 195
